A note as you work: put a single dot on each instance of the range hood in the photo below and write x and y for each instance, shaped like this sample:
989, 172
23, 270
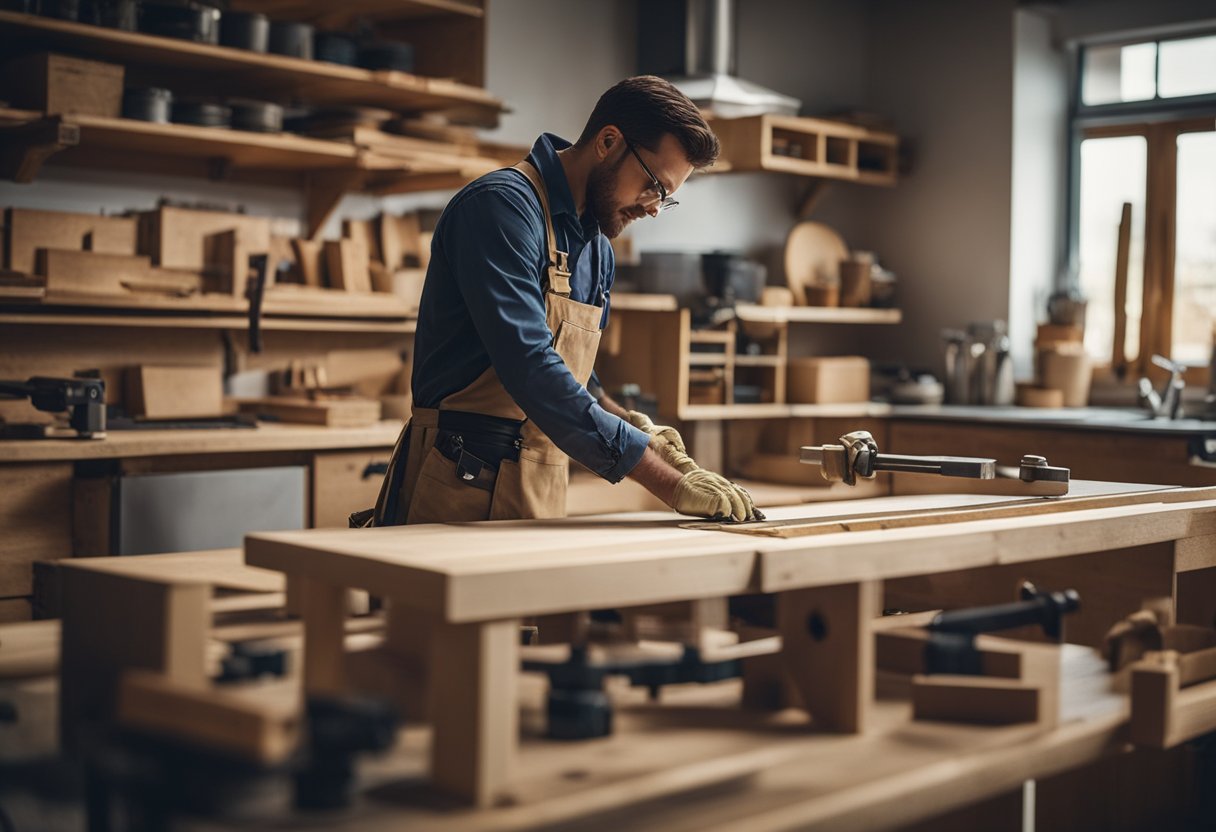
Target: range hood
692, 44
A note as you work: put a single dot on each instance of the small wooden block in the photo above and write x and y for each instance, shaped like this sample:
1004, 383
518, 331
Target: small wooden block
261, 723
308, 256
88, 272
977, 699
174, 392
226, 259
364, 232
348, 264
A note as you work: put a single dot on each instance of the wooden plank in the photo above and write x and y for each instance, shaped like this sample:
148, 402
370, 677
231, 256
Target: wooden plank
260, 723
474, 711
1118, 360
345, 412
828, 649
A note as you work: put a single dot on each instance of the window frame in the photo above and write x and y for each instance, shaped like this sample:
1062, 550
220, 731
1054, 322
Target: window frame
1159, 121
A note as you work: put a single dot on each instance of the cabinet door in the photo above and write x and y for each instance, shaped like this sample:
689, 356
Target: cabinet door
36, 519
345, 481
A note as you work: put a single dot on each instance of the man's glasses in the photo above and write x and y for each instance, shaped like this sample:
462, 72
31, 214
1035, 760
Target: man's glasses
655, 193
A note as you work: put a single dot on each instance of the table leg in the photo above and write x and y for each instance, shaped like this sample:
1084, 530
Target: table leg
323, 607
828, 650
474, 708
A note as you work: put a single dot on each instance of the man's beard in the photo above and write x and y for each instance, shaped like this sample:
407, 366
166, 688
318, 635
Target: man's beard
601, 185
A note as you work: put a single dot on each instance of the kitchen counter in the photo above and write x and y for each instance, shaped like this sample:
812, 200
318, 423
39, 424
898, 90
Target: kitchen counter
1080, 418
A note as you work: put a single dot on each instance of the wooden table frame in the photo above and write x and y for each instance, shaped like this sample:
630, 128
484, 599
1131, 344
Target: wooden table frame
467, 586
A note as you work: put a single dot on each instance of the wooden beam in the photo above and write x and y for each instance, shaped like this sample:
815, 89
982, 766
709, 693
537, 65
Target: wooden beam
828, 649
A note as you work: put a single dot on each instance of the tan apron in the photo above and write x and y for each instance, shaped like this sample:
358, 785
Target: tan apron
535, 486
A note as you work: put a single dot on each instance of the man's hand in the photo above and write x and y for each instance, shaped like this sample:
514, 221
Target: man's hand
698, 492
703, 493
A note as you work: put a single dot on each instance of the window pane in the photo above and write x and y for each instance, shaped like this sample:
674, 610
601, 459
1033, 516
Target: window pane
1188, 67
1112, 74
1195, 249
1112, 172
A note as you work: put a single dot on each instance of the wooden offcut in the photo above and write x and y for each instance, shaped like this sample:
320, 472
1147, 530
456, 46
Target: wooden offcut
27, 230
347, 262
335, 412
160, 392
175, 237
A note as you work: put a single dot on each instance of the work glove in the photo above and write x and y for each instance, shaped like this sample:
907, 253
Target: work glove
703, 493
666, 441
860, 449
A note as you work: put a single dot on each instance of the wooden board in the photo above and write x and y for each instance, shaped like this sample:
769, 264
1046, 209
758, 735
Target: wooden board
340, 413
27, 230
341, 484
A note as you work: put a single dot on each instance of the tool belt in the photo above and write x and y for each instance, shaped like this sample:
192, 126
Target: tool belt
478, 444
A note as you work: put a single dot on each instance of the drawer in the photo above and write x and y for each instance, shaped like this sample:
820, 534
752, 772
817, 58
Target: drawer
345, 482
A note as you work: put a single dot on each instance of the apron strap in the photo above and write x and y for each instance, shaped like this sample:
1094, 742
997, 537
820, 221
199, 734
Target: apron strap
559, 267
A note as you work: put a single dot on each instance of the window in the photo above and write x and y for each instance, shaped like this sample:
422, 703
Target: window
1144, 127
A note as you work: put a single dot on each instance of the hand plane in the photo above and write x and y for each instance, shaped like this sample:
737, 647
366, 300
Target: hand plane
858, 456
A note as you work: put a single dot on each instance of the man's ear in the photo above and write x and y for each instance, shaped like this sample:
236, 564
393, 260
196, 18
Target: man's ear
608, 138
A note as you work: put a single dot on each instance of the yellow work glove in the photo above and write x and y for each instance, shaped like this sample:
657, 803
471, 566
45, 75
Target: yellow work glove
666, 442
702, 493
860, 449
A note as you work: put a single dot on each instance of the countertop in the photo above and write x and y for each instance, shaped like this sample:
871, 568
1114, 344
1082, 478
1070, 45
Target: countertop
1079, 418
140, 443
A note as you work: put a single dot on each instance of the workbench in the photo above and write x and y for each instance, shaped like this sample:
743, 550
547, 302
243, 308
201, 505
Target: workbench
458, 592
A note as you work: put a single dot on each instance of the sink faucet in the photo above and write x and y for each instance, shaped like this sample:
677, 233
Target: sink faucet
1168, 403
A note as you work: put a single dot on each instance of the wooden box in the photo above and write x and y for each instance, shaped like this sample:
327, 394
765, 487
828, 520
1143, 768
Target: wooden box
174, 392
58, 84
828, 380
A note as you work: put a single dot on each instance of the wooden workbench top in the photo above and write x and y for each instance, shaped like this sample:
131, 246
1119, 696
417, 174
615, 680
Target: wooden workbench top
498, 570
142, 443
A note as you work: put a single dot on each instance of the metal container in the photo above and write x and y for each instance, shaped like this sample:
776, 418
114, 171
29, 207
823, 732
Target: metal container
153, 104
291, 38
978, 365
245, 30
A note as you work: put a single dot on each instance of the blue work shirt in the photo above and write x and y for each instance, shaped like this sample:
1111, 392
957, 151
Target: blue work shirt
483, 304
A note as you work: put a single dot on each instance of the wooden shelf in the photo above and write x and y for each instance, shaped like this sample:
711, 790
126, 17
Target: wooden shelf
185, 66
858, 410
809, 147
323, 14
326, 169
817, 314
128, 321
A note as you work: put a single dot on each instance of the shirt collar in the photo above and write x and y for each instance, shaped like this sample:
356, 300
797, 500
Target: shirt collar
544, 158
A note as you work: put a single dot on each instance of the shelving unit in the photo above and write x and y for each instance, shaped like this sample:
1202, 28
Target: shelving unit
449, 47
651, 343
808, 147
187, 66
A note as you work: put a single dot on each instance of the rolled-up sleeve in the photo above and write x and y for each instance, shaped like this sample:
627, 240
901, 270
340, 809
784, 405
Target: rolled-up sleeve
493, 244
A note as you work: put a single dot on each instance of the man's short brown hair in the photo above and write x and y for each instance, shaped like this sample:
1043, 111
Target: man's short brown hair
645, 108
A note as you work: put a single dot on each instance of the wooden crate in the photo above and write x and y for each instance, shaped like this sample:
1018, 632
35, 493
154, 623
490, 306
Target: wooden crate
56, 84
